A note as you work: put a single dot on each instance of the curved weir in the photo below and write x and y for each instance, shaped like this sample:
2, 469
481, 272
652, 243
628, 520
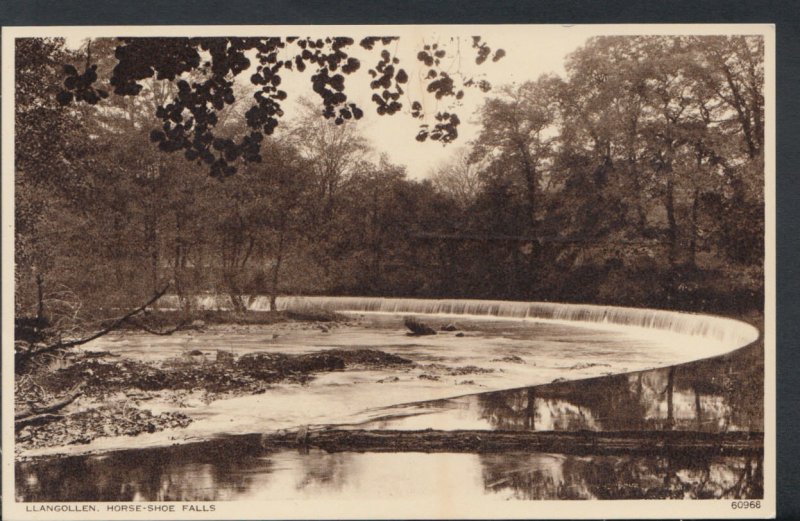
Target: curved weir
732, 333
501, 345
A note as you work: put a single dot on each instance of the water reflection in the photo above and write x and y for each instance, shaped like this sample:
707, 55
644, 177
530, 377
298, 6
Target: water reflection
551, 476
716, 395
216, 470
245, 472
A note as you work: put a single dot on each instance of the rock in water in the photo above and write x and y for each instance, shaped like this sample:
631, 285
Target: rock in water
418, 328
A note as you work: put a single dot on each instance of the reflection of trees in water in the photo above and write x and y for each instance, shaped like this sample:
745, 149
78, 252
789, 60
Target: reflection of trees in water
507, 410
187, 473
711, 395
324, 470
614, 406
532, 476
551, 476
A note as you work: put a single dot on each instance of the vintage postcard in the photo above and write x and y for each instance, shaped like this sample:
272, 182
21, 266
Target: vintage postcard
363, 272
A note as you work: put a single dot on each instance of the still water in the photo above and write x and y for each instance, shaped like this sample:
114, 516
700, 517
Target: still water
241, 470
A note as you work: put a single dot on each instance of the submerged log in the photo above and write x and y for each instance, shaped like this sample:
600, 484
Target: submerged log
645, 443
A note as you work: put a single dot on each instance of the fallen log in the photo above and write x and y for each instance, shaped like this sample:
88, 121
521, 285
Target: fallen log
37, 419
655, 443
42, 410
23, 358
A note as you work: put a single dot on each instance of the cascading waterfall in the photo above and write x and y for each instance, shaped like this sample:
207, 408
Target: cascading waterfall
731, 333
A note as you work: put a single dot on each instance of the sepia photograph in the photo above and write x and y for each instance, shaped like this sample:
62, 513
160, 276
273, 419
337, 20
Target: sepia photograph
339, 272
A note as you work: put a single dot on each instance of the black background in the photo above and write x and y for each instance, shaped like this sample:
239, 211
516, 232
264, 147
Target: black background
785, 14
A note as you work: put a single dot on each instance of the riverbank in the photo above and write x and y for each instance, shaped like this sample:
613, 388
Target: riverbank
115, 394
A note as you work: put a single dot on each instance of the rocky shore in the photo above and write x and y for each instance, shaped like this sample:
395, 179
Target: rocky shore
127, 396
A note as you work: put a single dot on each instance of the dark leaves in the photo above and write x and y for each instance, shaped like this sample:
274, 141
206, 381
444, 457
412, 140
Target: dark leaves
189, 120
484, 51
369, 42
425, 58
80, 86
444, 131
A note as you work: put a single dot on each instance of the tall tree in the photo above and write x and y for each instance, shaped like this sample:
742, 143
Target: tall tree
517, 132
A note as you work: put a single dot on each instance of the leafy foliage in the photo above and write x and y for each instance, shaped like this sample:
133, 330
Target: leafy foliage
204, 71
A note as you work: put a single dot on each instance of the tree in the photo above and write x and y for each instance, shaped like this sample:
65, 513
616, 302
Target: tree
51, 156
191, 116
66, 215
514, 128
460, 178
517, 133
287, 216
333, 153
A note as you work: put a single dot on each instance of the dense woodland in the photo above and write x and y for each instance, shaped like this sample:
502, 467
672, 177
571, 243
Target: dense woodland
637, 179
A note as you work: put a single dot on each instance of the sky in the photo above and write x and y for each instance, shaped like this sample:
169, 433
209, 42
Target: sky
530, 52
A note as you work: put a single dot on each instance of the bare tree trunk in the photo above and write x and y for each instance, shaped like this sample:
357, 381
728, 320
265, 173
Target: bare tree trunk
697, 409
695, 231
672, 225
39, 299
530, 183
151, 232
152, 239
530, 410
180, 264
273, 296
238, 303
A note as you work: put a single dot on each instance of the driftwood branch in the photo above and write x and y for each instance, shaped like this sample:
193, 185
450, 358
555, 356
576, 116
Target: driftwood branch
43, 413
661, 443
37, 419
113, 325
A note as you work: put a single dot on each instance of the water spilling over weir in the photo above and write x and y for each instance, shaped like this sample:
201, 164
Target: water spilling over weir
731, 333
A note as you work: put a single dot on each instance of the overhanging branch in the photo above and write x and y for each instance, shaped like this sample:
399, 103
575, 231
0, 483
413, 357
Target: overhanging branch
115, 324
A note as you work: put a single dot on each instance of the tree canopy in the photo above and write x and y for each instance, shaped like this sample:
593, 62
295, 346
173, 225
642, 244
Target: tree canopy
204, 72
